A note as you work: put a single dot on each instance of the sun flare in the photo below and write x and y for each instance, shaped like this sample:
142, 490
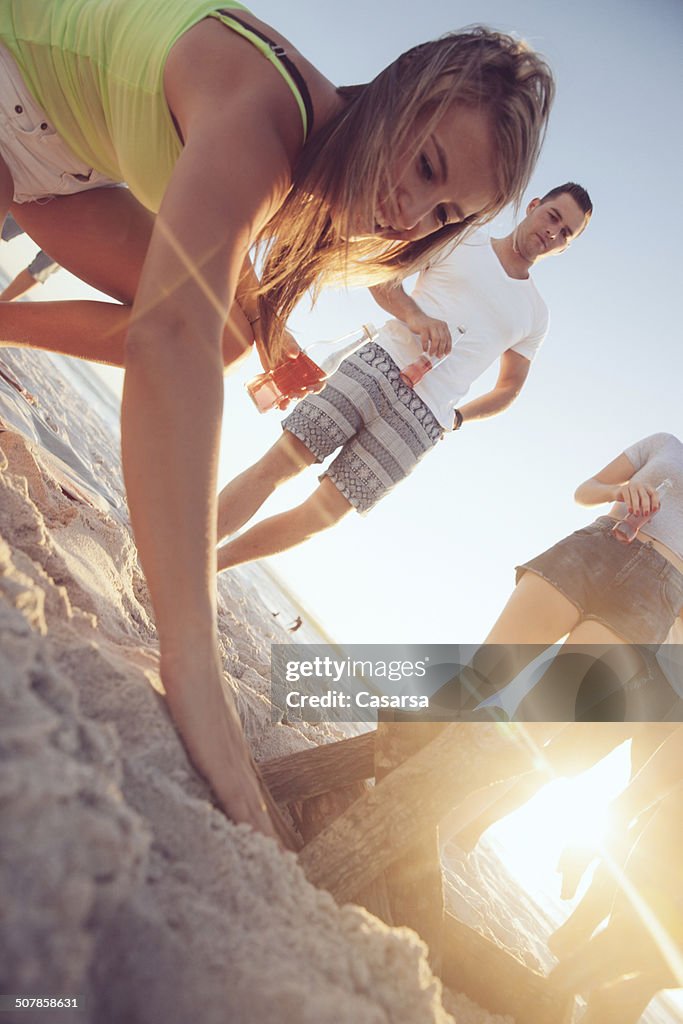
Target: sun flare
566, 812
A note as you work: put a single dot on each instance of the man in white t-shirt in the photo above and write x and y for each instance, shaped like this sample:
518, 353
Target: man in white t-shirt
475, 303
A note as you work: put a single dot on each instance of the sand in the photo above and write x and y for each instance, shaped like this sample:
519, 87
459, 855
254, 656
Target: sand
120, 881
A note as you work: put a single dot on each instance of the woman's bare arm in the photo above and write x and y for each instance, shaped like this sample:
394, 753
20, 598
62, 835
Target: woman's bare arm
615, 483
172, 407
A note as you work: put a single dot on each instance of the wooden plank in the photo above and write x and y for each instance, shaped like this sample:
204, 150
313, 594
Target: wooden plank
312, 816
497, 981
414, 880
396, 741
390, 818
288, 837
308, 773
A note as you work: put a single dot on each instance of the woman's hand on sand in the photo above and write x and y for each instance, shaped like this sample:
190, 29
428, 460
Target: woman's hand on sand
639, 498
434, 334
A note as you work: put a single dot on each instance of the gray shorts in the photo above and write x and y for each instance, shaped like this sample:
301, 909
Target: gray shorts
381, 425
631, 588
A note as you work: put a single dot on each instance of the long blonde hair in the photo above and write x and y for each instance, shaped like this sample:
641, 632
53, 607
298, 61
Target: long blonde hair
345, 165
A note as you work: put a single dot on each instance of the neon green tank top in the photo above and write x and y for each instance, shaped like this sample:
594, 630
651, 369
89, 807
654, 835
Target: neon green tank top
96, 67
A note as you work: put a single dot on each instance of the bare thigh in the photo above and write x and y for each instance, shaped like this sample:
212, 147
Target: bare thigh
325, 507
594, 634
288, 456
601, 642
100, 236
587, 681
536, 613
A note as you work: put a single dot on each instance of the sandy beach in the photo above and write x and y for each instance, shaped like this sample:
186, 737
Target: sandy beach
120, 882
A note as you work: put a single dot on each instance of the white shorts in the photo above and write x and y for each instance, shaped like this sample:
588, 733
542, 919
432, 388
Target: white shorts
40, 162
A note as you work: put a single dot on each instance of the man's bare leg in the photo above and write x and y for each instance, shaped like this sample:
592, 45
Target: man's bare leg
323, 509
243, 496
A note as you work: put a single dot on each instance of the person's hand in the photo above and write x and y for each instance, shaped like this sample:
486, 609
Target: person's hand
290, 349
638, 497
434, 334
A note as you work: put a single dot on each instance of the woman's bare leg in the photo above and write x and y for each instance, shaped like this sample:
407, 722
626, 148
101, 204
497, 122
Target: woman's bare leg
96, 331
586, 680
85, 329
101, 236
536, 613
535, 616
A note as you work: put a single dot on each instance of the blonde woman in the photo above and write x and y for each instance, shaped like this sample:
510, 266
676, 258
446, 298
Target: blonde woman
226, 133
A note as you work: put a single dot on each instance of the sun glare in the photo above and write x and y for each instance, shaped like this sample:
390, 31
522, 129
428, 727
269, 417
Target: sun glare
573, 813
565, 812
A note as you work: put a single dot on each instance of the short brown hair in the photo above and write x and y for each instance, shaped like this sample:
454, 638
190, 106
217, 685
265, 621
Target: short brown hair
577, 192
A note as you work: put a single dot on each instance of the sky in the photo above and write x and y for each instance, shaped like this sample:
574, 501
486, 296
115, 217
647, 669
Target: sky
434, 562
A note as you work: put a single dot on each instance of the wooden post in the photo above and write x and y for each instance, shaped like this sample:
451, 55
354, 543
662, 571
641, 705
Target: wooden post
414, 880
499, 982
320, 769
288, 837
390, 818
316, 813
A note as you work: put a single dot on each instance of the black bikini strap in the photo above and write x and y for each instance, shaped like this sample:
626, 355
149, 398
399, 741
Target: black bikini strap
287, 62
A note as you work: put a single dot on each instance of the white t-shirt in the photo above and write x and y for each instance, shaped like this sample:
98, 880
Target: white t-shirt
468, 287
656, 458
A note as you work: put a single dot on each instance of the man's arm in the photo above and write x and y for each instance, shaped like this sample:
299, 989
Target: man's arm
513, 372
434, 334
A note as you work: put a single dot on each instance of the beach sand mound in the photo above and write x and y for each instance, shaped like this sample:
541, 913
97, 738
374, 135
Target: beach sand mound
119, 880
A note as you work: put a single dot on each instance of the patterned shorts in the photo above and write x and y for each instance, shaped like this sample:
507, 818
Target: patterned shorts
381, 425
